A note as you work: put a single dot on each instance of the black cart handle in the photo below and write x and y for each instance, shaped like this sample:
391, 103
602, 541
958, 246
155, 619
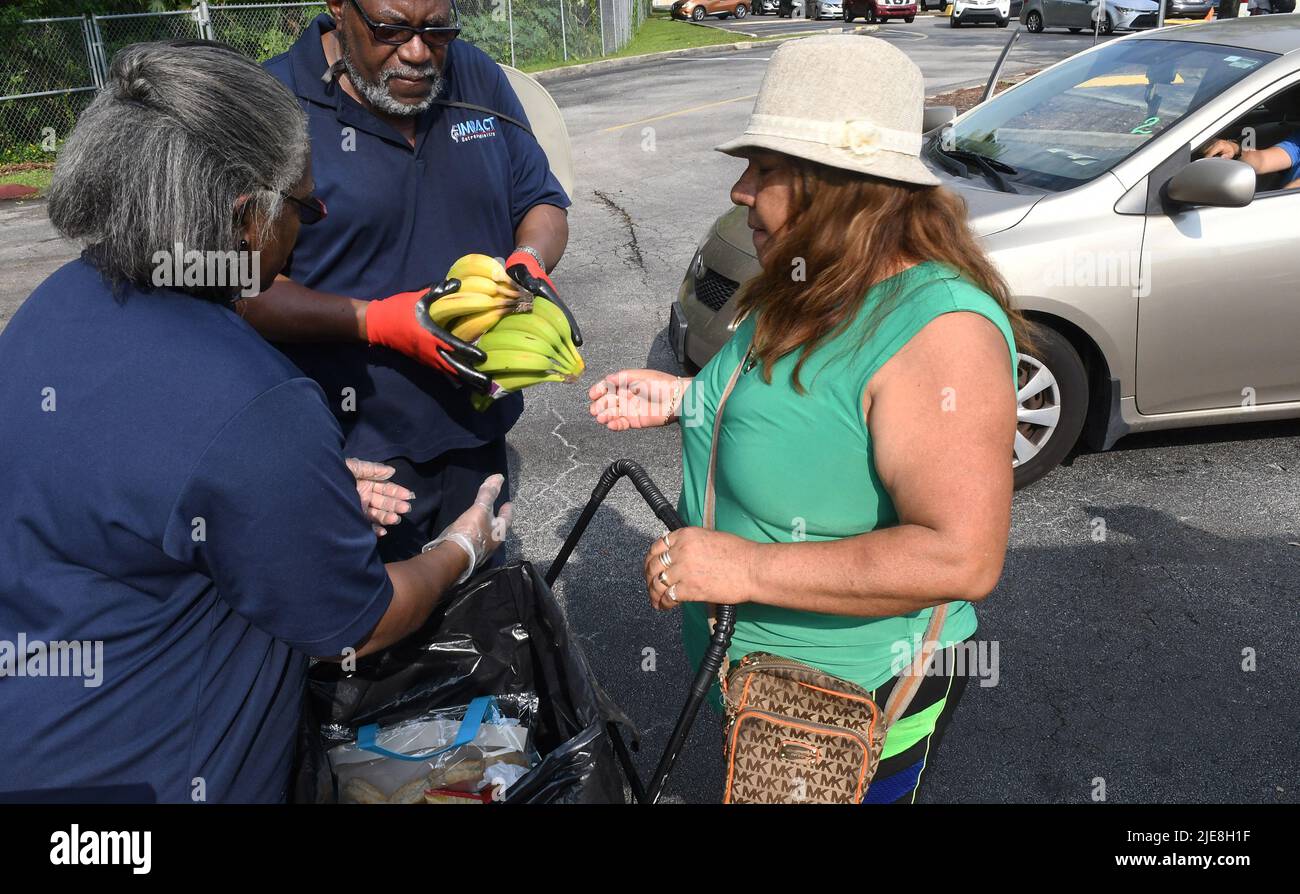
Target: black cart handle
719, 642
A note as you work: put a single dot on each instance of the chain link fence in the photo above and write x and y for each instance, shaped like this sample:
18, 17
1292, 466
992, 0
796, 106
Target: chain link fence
51, 68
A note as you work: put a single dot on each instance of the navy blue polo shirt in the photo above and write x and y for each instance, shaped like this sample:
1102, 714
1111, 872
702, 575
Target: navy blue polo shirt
398, 218
174, 491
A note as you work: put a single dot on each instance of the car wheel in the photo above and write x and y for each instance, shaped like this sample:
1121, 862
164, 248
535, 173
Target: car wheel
954, 22
741, 11
847, 18
1051, 405
1034, 22
697, 14
909, 19
1002, 23
1107, 26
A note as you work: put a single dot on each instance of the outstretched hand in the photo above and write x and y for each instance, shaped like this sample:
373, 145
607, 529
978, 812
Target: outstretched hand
383, 502
636, 398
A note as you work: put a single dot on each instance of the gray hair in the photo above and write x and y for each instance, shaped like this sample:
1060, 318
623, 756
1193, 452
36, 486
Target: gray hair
181, 131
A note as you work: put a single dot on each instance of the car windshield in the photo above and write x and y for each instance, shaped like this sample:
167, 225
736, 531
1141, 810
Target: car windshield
1073, 123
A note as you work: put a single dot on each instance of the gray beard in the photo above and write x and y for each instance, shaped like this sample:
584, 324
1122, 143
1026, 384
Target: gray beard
376, 92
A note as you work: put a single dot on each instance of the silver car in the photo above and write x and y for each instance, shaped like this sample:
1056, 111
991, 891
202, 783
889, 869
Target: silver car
1164, 287
1081, 15
825, 9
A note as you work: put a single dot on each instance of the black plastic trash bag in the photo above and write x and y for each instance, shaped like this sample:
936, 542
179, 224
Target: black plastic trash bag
503, 632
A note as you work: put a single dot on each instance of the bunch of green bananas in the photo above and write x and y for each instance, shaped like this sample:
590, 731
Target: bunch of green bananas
527, 339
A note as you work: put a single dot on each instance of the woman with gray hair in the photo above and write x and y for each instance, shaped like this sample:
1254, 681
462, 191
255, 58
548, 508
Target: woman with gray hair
159, 593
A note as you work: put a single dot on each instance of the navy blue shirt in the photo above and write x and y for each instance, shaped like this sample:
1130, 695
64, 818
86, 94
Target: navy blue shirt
398, 218
175, 490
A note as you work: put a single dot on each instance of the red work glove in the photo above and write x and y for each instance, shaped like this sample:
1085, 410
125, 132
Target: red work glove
401, 322
528, 273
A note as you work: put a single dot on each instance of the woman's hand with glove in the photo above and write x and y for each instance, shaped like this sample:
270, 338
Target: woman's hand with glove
401, 322
383, 502
479, 530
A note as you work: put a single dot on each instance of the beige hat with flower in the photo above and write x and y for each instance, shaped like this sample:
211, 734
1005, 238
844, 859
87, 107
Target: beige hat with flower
841, 100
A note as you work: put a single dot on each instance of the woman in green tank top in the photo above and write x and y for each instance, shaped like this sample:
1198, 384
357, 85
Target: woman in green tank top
861, 459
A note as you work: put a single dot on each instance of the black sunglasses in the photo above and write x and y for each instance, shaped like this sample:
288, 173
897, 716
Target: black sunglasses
434, 36
310, 210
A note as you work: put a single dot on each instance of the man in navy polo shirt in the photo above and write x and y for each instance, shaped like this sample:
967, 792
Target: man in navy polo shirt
411, 185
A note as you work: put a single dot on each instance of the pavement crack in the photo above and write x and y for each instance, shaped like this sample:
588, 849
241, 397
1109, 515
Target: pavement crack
633, 246
574, 464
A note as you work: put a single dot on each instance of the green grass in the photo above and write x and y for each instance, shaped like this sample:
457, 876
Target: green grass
658, 33
39, 178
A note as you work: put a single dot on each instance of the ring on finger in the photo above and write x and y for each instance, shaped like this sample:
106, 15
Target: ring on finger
667, 545
665, 559
672, 592
663, 578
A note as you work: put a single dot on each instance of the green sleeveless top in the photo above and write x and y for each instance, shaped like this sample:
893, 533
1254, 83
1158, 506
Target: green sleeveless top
800, 467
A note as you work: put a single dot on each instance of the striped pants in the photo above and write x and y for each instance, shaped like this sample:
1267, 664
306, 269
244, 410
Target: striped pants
910, 744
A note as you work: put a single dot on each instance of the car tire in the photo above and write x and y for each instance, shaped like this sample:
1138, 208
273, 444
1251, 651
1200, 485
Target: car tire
742, 10
1002, 23
1107, 26
846, 16
697, 14
1050, 419
1034, 22
909, 19
954, 22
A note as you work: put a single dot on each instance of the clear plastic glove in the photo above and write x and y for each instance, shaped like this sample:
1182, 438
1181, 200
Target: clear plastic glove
479, 530
383, 502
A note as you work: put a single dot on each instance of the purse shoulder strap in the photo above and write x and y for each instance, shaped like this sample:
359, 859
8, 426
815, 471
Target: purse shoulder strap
910, 681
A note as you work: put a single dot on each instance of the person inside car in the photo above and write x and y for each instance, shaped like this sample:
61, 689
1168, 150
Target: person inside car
1285, 156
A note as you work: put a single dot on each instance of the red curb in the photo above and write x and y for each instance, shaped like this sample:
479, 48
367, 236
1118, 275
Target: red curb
16, 191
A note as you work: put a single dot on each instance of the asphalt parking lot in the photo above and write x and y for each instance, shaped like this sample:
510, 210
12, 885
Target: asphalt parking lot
1120, 658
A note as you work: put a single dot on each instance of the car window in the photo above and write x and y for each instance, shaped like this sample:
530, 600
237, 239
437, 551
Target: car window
1275, 120
1074, 122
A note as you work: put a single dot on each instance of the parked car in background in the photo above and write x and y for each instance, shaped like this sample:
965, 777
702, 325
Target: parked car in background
788, 9
825, 9
969, 12
1188, 9
1162, 286
696, 10
763, 7
880, 10
1081, 15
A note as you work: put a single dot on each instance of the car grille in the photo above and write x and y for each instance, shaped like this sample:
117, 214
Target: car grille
714, 290
1144, 21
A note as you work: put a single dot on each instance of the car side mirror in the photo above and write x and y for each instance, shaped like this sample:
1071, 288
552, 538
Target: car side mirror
1218, 182
935, 117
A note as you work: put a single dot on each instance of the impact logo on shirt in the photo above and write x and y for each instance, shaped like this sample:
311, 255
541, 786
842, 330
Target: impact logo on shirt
477, 129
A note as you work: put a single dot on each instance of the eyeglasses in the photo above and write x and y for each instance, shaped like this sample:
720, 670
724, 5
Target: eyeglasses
434, 36
310, 210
